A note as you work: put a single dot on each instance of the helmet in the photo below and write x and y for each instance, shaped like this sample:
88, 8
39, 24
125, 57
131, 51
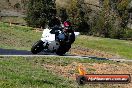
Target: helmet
67, 24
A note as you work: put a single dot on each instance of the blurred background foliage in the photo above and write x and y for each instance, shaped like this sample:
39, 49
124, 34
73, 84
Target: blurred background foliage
104, 18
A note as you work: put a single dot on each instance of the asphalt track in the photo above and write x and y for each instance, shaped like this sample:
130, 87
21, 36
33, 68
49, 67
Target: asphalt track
25, 53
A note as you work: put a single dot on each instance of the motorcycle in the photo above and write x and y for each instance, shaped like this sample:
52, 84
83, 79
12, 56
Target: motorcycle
54, 40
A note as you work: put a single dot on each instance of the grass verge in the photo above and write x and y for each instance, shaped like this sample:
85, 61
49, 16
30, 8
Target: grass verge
17, 37
30, 72
122, 48
19, 72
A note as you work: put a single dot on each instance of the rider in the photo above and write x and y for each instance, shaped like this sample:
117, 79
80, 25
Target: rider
55, 22
69, 31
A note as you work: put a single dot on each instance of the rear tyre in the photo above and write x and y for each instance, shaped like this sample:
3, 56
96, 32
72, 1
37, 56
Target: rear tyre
72, 38
63, 49
37, 47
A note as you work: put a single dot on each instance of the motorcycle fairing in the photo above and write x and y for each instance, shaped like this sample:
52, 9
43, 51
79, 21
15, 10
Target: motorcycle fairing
49, 40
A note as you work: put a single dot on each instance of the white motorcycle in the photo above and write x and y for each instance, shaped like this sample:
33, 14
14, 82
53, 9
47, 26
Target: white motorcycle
54, 40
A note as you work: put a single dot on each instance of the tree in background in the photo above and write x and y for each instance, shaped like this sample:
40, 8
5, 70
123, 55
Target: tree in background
109, 20
122, 6
24, 4
39, 12
73, 12
8, 1
17, 6
112, 19
102, 23
62, 14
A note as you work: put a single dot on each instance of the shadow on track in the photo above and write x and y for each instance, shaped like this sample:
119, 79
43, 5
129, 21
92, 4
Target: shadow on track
19, 52
14, 52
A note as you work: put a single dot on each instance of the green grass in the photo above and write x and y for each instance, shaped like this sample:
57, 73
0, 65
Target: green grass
114, 46
19, 72
64, 61
29, 72
17, 37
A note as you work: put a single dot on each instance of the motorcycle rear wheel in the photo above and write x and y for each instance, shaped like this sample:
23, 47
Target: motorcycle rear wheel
37, 47
63, 49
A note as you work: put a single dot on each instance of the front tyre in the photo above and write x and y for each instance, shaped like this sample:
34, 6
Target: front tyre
37, 47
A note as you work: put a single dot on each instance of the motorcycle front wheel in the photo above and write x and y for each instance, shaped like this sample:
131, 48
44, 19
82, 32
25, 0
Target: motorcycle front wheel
37, 47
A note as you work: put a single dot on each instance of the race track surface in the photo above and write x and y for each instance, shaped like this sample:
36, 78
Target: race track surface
25, 53
13, 52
